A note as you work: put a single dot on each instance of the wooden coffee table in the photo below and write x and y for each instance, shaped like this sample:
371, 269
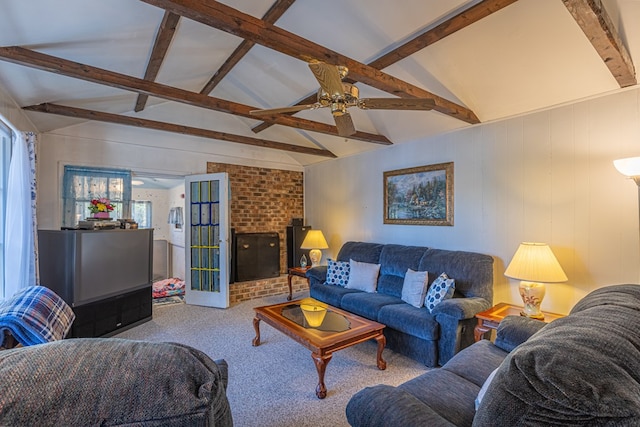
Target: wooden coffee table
340, 329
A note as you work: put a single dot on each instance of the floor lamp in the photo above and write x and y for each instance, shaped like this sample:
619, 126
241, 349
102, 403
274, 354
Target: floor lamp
630, 167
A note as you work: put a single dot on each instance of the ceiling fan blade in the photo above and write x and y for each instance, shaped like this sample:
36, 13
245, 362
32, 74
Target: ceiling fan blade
329, 78
396, 104
292, 109
345, 125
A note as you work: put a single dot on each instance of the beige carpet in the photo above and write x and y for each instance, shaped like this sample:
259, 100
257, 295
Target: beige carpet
273, 384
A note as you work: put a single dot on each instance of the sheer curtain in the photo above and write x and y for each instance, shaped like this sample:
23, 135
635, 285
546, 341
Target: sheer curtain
81, 184
20, 258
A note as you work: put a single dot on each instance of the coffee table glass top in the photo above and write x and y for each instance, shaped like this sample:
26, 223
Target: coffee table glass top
332, 322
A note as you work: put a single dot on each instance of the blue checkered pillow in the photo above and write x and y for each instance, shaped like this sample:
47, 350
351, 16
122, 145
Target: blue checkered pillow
337, 272
441, 289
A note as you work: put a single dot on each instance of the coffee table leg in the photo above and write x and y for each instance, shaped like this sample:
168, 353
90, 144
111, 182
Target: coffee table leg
382, 341
321, 365
256, 326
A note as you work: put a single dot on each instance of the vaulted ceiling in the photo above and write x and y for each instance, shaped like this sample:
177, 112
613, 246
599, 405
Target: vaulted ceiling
199, 67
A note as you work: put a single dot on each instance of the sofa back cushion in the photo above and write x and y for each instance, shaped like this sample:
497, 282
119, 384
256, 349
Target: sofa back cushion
473, 272
395, 260
361, 252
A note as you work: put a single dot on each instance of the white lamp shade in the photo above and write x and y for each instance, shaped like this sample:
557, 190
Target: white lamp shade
629, 166
535, 262
314, 240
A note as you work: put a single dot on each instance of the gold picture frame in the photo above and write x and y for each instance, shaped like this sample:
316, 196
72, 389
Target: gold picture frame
419, 196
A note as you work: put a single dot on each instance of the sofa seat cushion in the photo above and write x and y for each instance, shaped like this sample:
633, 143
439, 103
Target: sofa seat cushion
408, 319
368, 304
447, 394
476, 362
330, 294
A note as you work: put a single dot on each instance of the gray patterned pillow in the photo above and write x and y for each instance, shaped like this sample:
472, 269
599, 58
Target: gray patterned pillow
337, 272
441, 289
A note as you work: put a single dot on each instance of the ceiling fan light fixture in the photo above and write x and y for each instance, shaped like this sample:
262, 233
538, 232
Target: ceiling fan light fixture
339, 108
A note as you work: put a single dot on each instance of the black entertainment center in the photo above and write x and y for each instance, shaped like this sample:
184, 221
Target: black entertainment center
104, 275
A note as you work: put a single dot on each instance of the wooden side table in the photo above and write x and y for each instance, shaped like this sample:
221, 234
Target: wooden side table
490, 319
296, 271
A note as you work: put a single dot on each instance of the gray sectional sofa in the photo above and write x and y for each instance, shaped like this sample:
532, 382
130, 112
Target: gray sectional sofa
580, 370
429, 337
112, 382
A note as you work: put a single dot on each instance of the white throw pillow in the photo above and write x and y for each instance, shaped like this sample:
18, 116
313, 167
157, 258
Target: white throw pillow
414, 287
484, 388
363, 276
441, 289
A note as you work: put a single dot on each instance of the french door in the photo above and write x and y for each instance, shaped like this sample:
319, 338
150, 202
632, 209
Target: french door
207, 240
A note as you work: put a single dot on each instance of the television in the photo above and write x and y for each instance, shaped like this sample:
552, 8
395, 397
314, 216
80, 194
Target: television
85, 266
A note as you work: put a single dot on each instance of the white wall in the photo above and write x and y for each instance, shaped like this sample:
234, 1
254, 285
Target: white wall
176, 236
544, 177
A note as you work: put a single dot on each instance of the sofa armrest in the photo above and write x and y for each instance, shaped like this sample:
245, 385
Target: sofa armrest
384, 405
461, 308
514, 330
317, 275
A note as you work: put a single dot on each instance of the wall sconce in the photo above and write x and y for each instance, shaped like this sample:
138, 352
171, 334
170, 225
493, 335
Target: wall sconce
534, 265
315, 241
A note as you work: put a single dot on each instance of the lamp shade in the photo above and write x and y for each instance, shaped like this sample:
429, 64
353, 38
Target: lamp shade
629, 166
314, 240
535, 262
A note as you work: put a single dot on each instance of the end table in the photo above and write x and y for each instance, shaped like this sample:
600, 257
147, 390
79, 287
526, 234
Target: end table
296, 271
490, 319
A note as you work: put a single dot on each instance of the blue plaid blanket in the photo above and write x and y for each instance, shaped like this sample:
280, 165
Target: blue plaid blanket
35, 315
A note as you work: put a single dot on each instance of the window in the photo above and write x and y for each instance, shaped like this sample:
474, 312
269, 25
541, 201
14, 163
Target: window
141, 213
81, 184
5, 157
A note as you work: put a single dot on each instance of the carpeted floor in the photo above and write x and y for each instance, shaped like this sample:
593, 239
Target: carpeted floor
273, 384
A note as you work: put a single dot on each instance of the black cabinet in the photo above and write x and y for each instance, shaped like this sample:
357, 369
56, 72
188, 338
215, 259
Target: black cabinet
295, 236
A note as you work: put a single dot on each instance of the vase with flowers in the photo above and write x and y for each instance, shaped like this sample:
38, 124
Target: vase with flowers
101, 208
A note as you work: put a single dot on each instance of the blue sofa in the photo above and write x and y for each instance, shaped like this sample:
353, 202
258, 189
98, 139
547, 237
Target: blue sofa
580, 370
429, 337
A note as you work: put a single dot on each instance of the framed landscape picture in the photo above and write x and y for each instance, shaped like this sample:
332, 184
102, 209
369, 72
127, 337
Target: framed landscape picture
419, 196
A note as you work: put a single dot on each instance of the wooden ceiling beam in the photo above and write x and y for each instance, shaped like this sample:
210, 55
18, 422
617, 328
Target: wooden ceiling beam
272, 15
160, 46
439, 32
225, 18
419, 42
599, 29
41, 61
170, 127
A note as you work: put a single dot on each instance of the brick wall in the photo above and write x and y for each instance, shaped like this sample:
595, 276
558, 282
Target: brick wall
263, 200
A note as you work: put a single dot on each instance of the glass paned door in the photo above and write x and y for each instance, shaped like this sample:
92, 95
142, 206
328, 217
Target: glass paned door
207, 239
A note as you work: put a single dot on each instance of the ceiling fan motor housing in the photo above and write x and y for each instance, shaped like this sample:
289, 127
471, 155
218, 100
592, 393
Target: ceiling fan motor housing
339, 104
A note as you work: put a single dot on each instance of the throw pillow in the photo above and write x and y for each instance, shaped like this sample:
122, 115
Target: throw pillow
414, 287
363, 276
484, 388
337, 272
441, 289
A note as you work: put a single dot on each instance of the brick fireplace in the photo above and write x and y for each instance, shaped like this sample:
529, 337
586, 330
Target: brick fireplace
263, 200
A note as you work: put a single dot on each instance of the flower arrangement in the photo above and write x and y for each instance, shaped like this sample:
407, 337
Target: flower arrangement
100, 205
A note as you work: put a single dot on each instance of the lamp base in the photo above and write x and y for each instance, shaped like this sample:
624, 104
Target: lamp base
315, 255
532, 294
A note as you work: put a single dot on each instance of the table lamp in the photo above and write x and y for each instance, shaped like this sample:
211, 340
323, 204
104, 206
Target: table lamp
534, 265
315, 241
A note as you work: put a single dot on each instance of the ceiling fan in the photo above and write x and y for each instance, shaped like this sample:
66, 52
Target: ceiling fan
339, 96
